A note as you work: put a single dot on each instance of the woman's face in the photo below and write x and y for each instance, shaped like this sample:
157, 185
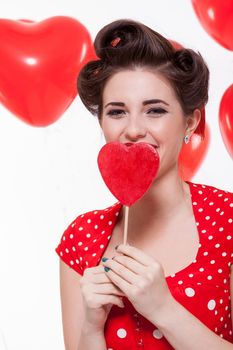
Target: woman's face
140, 106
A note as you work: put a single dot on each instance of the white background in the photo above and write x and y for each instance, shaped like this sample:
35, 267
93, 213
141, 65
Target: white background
49, 175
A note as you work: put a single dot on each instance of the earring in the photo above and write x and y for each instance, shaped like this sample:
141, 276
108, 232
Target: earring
186, 139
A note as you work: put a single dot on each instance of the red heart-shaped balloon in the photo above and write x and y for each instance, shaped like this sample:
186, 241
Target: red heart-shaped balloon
128, 170
216, 17
193, 154
39, 64
226, 119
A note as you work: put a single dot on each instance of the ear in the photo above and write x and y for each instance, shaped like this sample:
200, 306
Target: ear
192, 122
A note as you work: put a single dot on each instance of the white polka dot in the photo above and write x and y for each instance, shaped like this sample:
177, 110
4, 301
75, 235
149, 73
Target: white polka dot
180, 282
67, 250
194, 203
200, 192
219, 270
71, 236
213, 223
220, 195
209, 278
64, 238
201, 269
96, 211
96, 226
221, 229
211, 304
222, 212
94, 254
117, 213
230, 221
212, 262
71, 262
102, 232
101, 217
77, 261
61, 253
231, 205
74, 249
228, 237
157, 334
200, 209
224, 254
121, 332
110, 223
211, 203
203, 231
101, 246
80, 243
207, 217
191, 275
217, 245
88, 235
86, 248
80, 228
210, 237
218, 209
94, 240
89, 221
190, 292
205, 253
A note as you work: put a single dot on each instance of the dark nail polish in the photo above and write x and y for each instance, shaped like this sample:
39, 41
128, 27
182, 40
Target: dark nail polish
106, 268
116, 246
104, 259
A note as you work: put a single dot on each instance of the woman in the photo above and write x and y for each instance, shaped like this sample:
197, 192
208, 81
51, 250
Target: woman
170, 286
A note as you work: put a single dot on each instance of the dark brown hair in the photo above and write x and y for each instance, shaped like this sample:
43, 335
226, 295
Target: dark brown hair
126, 44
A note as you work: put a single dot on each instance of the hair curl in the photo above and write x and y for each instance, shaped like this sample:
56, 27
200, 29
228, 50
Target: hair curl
127, 44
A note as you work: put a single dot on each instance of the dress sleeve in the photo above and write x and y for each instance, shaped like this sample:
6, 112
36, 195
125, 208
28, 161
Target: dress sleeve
67, 249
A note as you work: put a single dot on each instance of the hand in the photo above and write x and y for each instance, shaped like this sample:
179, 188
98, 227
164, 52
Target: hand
141, 278
99, 294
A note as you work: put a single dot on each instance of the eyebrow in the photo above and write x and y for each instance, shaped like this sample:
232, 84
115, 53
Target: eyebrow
147, 102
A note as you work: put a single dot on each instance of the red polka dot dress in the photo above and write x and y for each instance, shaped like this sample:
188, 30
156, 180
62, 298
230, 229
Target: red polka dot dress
203, 287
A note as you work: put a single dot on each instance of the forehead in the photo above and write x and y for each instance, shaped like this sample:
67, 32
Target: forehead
138, 83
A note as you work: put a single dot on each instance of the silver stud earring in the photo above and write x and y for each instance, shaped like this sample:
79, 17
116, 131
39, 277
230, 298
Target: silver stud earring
186, 139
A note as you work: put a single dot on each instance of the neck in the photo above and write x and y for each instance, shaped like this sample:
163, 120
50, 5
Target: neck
161, 202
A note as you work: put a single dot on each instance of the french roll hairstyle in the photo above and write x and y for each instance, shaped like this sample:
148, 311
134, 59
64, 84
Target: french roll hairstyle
128, 44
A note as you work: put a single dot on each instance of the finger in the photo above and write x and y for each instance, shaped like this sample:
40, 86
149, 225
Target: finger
121, 283
122, 271
135, 253
130, 264
108, 288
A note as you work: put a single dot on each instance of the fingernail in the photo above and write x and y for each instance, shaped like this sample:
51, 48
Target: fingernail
104, 259
106, 268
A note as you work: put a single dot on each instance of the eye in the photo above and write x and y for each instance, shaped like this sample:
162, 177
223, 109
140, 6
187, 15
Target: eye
156, 111
115, 112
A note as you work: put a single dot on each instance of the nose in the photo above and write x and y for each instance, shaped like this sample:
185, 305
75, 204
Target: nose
135, 129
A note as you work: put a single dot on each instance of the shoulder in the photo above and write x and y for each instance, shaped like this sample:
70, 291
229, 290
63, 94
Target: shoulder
217, 202
78, 241
212, 192
95, 219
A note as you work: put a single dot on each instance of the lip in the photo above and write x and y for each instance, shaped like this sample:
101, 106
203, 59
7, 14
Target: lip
130, 144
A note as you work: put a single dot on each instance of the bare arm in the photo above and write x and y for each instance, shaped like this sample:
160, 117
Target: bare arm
185, 332
77, 335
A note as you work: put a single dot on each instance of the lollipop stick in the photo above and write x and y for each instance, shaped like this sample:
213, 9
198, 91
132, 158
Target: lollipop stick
126, 224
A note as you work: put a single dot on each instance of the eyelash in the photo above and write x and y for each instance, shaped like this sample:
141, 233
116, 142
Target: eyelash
112, 113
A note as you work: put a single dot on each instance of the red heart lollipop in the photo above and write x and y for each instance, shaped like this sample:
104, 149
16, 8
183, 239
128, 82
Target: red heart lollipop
128, 169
